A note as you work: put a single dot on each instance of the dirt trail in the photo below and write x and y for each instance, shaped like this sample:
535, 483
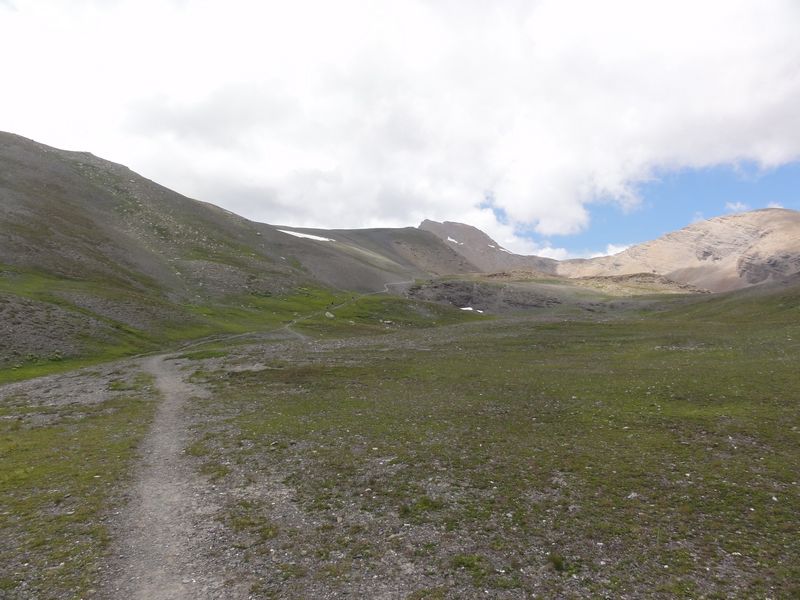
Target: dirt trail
296, 334
164, 536
169, 522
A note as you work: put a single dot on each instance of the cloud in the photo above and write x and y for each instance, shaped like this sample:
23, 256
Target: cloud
345, 114
736, 207
611, 249
774, 205
225, 119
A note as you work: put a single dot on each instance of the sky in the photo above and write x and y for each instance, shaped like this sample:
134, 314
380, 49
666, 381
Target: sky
560, 127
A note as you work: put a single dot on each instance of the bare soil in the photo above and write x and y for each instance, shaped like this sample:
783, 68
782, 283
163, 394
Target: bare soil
168, 528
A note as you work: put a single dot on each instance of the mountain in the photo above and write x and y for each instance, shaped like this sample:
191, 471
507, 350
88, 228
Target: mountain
367, 259
579, 426
93, 253
94, 256
483, 252
72, 214
720, 254
724, 253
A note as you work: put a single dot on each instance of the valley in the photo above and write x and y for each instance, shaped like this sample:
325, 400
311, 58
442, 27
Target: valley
194, 405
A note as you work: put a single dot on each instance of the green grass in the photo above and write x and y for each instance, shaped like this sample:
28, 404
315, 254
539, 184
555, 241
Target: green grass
416, 509
746, 306
256, 313
648, 455
64, 469
243, 516
168, 325
379, 313
474, 564
171, 325
39, 367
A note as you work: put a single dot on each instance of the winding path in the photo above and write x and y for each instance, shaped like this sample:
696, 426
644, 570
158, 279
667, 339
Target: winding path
159, 549
165, 528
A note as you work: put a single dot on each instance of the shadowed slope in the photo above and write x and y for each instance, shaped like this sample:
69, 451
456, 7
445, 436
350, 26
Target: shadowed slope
93, 255
483, 251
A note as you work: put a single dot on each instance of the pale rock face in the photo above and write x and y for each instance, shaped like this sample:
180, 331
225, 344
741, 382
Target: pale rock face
724, 253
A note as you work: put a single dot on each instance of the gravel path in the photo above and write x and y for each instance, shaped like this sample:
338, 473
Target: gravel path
167, 538
168, 524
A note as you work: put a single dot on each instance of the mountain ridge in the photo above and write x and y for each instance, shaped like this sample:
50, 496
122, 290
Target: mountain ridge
73, 214
93, 255
723, 253
484, 252
720, 254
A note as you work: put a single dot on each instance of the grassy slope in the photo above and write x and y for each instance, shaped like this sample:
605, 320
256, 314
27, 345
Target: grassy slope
166, 324
647, 457
97, 262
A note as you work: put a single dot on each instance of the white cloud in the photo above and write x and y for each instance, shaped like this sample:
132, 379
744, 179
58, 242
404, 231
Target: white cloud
611, 250
507, 236
345, 114
774, 205
736, 206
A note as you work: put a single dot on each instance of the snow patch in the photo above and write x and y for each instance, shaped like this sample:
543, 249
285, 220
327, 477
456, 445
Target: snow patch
490, 246
506, 251
306, 235
449, 239
467, 308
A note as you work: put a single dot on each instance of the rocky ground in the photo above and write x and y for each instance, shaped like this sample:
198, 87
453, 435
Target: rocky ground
644, 457
483, 296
